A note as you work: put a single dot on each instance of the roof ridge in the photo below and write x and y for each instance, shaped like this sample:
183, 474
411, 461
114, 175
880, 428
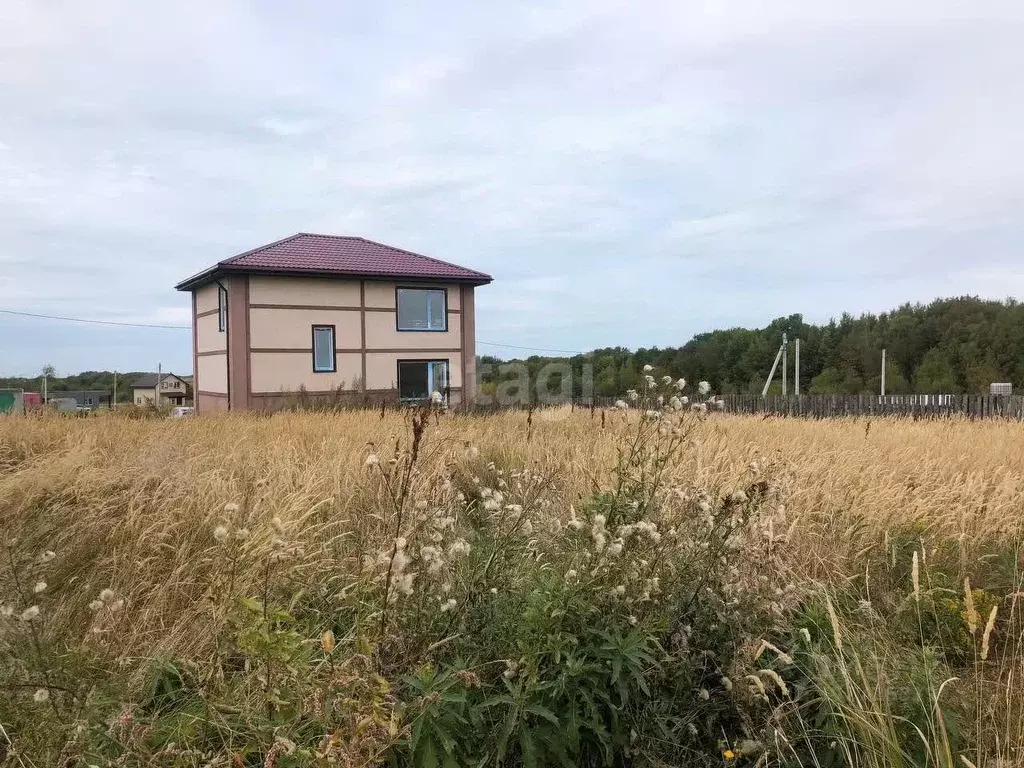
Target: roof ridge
259, 248
337, 255
413, 253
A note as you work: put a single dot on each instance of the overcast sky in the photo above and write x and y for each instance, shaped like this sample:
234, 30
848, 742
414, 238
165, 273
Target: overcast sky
630, 172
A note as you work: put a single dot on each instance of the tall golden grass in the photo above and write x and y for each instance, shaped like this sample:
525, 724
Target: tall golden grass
131, 504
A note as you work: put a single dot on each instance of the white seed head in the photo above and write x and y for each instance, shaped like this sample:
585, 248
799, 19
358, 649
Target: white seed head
40, 587
648, 368
372, 460
30, 614
107, 595
41, 696
703, 387
220, 533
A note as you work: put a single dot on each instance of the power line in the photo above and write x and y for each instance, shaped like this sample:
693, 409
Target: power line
188, 328
531, 349
95, 322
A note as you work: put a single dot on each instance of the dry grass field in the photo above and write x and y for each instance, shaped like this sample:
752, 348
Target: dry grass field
364, 589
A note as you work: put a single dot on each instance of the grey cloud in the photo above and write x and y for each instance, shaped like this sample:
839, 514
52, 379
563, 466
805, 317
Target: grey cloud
631, 174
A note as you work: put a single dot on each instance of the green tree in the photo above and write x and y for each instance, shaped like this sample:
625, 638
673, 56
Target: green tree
935, 374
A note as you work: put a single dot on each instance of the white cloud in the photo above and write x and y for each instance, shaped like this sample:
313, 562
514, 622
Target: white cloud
631, 174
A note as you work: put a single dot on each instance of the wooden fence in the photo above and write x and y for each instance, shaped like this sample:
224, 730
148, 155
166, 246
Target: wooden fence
913, 406
833, 406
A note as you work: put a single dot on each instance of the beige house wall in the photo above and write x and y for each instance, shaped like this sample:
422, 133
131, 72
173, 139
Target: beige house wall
270, 332
206, 298
208, 403
303, 291
289, 371
141, 395
293, 328
382, 333
208, 338
212, 373
381, 294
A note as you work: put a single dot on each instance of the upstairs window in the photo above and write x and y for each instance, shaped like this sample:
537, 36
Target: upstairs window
422, 309
324, 360
419, 379
222, 308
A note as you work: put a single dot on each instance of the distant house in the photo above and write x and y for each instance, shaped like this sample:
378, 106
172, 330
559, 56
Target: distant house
84, 398
339, 316
174, 390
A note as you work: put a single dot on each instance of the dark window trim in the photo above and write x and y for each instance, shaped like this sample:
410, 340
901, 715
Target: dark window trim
334, 348
442, 289
446, 392
222, 308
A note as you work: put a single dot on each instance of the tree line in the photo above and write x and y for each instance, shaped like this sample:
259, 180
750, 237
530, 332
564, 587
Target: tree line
957, 345
86, 380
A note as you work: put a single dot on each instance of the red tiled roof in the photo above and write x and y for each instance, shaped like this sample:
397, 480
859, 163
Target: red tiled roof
338, 255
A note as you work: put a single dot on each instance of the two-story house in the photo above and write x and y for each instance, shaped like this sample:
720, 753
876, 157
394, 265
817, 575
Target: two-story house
173, 390
326, 315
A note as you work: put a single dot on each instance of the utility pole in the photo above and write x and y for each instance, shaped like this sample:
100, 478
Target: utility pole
775, 365
796, 370
159, 376
48, 371
883, 372
785, 364
113, 405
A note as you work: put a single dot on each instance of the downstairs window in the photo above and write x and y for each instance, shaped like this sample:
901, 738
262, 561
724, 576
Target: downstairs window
418, 379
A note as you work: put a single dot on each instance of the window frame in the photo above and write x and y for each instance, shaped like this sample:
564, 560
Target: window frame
334, 347
445, 392
222, 308
444, 313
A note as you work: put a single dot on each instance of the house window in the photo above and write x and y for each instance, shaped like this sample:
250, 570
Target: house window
418, 379
422, 309
323, 349
222, 308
